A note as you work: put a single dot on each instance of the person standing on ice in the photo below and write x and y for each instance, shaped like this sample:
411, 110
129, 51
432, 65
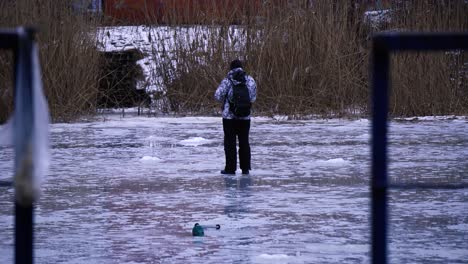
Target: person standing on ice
236, 92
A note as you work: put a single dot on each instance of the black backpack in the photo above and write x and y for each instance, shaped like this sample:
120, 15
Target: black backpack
240, 104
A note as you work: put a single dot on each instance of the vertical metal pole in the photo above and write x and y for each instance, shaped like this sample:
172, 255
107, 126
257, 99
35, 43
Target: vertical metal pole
24, 234
379, 152
23, 154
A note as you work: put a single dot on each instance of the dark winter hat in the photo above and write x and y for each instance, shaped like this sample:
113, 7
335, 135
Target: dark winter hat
236, 64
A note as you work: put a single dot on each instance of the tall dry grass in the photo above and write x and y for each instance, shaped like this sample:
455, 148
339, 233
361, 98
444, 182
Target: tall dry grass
308, 57
6, 81
308, 60
305, 59
430, 83
313, 58
68, 55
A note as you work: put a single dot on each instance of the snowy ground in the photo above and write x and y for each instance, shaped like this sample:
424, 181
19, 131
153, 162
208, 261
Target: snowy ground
129, 190
160, 44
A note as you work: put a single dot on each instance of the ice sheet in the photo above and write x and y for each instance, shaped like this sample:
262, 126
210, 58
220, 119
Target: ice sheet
128, 190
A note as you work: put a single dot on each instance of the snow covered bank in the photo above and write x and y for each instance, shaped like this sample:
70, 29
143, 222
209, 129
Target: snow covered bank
159, 45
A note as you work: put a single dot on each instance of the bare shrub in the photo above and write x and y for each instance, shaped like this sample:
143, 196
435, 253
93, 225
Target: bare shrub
192, 64
305, 59
308, 57
430, 83
186, 96
311, 57
68, 55
6, 83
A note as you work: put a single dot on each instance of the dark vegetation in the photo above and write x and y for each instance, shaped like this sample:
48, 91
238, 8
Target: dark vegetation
308, 57
118, 80
68, 56
314, 59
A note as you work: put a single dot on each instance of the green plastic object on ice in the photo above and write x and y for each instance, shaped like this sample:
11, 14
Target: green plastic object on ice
197, 230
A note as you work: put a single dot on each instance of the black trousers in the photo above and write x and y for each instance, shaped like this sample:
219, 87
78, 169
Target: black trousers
236, 129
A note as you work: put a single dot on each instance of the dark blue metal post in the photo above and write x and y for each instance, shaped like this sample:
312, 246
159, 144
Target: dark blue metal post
23, 128
21, 40
379, 152
384, 45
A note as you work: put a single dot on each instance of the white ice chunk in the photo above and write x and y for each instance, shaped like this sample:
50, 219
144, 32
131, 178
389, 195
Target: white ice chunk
272, 258
149, 159
195, 141
333, 162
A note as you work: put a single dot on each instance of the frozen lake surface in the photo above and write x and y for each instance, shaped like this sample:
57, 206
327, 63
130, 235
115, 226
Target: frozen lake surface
129, 190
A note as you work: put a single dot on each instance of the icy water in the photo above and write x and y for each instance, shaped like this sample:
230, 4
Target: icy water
129, 190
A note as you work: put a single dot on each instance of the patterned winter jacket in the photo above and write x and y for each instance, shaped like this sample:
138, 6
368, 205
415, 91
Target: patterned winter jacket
225, 89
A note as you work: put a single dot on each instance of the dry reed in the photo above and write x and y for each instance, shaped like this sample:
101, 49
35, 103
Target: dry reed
313, 58
308, 57
68, 55
430, 83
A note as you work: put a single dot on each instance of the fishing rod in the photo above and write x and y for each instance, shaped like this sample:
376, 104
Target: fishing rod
199, 230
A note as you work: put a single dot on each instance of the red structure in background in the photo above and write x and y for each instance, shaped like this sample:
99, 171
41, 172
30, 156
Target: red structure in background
201, 11
134, 11
179, 11
189, 11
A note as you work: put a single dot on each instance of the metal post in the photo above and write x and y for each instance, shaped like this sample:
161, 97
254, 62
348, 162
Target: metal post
23, 126
24, 234
384, 45
379, 153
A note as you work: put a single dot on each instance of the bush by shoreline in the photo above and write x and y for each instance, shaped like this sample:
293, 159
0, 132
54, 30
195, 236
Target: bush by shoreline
306, 60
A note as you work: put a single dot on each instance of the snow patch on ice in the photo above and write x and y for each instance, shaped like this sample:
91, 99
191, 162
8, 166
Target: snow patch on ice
148, 159
333, 162
431, 118
272, 258
458, 227
365, 136
195, 141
